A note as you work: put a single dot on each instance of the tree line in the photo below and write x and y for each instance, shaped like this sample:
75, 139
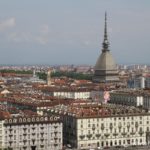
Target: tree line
17, 71
73, 75
43, 75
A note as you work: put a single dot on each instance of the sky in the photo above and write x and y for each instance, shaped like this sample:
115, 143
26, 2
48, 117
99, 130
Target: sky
59, 32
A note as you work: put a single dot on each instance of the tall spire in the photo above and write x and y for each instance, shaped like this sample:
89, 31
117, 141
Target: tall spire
105, 42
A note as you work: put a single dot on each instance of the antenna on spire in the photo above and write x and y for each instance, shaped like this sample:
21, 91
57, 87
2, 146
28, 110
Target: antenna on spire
105, 42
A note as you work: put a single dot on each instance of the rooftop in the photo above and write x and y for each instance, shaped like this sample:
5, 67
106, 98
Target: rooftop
94, 110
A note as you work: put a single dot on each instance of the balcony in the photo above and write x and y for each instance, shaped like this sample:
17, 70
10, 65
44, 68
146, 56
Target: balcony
33, 128
55, 127
115, 134
119, 126
24, 134
24, 128
89, 136
24, 142
42, 145
102, 127
132, 133
42, 132
128, 125
55, 144
107, 135
55, 138
10, 142
10, 135
141, 132
111, 126
124, 134
93, 128
24, 147
55, 132
136, 125
98, 135
10, 129
33, 134
82, 137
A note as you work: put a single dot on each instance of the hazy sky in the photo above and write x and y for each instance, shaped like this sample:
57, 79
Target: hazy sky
71, 31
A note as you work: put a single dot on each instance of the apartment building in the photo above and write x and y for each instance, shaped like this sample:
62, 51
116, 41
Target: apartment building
31, 133
127, 97
131, 98
97, 125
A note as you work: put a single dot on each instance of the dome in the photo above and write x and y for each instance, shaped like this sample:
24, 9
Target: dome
105, 62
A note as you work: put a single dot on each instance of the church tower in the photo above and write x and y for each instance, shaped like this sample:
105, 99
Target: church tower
49, 78
105, 69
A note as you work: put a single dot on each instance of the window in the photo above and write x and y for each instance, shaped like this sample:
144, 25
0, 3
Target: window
119, 142
119, 129
14, 137
124, 142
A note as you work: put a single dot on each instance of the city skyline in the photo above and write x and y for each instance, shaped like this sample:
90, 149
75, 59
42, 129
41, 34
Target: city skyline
71, 32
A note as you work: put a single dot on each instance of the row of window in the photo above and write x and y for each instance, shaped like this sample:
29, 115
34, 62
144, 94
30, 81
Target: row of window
53, 118
115, 143
114, 118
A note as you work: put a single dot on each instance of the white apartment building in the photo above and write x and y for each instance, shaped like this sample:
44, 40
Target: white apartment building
31, 133
1, 133
93, 126
140, 82
146, 101
72, 94
129, 97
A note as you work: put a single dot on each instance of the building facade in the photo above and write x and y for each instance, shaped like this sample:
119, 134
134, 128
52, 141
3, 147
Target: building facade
139, 82
130, 98
32, 133
73, 94
92, 126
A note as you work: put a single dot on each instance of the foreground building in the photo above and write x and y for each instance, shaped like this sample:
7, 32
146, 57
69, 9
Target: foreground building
94, 125
105, 69
31, 133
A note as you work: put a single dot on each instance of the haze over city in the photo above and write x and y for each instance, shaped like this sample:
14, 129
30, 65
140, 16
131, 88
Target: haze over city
71, 32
